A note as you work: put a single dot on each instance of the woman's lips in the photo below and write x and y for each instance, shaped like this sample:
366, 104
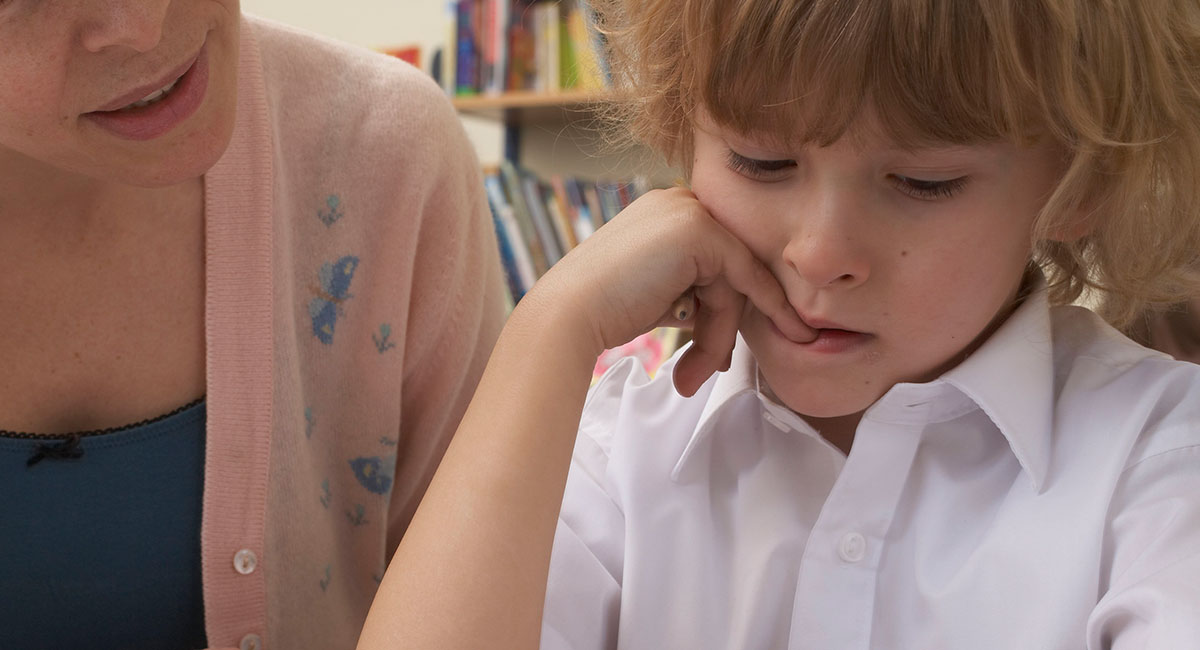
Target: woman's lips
142, 91
155, 120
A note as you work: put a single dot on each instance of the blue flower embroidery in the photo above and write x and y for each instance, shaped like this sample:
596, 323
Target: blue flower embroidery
359, 516
331, 216
382, 340
374, 473
328, 577
334, 290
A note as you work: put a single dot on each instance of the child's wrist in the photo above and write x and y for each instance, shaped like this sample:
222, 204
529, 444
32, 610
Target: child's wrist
546, 317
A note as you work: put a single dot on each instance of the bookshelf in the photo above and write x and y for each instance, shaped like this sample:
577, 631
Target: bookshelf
534, 67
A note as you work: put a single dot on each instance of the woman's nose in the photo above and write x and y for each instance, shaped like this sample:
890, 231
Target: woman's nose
136, 24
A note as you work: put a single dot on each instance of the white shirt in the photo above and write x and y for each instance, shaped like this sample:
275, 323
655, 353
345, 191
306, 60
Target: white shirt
1044, 494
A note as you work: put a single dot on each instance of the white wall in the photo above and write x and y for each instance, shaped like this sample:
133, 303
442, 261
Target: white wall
381, 23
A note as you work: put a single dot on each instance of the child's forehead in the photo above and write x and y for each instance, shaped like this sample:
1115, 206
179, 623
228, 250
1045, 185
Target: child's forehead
863, 131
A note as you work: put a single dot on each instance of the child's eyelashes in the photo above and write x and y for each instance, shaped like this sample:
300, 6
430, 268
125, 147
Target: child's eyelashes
928, 190
755, 168
776, 169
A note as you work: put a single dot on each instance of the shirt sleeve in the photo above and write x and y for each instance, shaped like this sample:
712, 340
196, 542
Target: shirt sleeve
583, 592
1152, 558
456, 307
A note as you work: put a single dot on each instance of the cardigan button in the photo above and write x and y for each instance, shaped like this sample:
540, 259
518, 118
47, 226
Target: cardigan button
252, 642
244, 561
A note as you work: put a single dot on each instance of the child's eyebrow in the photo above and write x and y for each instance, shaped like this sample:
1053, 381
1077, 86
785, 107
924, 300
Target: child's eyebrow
949, 149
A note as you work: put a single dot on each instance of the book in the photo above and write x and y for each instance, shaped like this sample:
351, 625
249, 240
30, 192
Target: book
536, 202
583, 222
521, 47
551, 31
516, 197
499, 46
410, 54
496, 46
597, 44
610, 199
581, 58
449, 53
538, 222
593, 201
562, 212
467, 57
522, 273
508, 260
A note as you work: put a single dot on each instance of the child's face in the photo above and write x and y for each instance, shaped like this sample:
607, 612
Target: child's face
905, 259
63, 62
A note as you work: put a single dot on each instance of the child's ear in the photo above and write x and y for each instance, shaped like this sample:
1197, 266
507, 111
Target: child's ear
1066, 233
1074, 226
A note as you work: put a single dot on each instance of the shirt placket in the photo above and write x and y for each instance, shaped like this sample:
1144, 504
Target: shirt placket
835, 591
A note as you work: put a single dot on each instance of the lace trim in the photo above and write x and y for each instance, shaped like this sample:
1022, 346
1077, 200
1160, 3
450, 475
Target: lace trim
4, 433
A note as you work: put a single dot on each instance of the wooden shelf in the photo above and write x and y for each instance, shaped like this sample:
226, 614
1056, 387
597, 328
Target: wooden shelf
520, 108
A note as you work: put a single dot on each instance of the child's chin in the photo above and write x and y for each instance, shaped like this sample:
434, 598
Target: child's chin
817, 398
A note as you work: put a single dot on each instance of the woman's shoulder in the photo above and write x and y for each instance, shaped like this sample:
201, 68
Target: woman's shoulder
335, 90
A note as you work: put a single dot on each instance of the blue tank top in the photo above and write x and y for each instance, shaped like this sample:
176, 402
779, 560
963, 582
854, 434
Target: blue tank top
100, 537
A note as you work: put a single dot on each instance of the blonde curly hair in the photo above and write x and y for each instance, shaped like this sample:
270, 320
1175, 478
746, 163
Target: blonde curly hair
1115, 82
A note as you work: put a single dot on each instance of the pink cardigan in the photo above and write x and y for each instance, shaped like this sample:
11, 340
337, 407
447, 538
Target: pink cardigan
353, 295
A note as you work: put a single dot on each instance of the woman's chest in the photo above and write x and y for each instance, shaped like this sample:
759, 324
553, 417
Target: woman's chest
99, 337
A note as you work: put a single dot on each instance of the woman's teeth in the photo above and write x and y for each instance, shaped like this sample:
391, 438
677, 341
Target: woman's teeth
152, 97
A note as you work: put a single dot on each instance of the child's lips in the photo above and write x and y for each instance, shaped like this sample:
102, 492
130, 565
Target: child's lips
806, 333
818, 323
826, 334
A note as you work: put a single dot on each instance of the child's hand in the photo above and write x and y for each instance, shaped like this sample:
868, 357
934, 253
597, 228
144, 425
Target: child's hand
623, 279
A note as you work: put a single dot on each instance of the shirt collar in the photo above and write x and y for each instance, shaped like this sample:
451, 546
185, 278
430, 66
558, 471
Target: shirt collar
1010, 377
740, 379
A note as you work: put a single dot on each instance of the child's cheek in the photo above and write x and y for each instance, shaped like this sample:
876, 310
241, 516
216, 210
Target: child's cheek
750, 223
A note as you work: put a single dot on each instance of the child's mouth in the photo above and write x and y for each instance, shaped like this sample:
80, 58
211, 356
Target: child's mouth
834, 340
827, 336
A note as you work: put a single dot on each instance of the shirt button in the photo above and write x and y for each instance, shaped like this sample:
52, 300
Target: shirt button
852, 547
244, 561
252, 642
776, 422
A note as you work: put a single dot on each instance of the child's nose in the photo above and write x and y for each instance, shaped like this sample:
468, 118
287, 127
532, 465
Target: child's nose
826, 247
136, 24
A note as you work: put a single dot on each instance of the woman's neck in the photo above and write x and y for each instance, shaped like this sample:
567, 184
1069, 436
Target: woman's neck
39, 200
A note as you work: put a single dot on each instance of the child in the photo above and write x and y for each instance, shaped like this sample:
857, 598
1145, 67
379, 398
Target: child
203, 210
915, 442
1174, 330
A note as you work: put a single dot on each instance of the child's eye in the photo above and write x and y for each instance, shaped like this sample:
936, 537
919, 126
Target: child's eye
928, 190
754, 168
